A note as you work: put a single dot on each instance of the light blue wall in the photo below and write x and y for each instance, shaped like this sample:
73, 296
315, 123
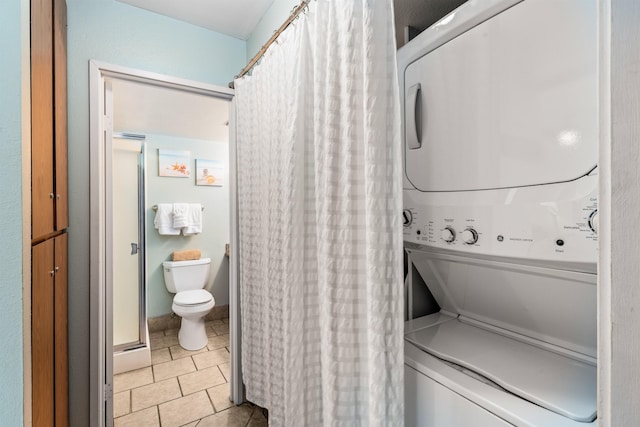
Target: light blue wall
120, 34
271, 21
116, 33
11, 375
215, 218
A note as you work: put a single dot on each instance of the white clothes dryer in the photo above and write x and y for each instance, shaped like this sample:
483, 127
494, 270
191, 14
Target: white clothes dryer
500, 214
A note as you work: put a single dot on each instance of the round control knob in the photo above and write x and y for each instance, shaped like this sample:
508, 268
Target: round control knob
469, 236
407, 217
594, 221
448, 234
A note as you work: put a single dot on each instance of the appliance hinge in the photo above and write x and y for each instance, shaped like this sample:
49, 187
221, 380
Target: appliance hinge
108, 392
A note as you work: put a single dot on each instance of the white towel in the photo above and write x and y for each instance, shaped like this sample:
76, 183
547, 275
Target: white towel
180, 215
194, 216
164, 220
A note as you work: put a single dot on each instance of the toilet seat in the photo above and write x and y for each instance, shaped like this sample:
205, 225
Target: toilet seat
192, 297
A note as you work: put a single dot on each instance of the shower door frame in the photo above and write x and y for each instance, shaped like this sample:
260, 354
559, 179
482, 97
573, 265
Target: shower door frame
101, 343
141, 245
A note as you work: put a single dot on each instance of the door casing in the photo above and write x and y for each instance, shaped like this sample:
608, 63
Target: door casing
101, 346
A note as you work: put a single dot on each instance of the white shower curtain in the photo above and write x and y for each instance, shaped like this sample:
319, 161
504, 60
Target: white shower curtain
319, 190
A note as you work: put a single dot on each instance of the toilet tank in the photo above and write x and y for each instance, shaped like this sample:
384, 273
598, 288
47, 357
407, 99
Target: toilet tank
186, 275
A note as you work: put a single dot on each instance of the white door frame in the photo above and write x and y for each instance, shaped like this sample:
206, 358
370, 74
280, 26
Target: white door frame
237, 387
100, 312
619, 207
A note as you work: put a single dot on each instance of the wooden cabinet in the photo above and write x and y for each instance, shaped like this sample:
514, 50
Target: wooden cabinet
49, 332
60, 113
48, 118
49, 219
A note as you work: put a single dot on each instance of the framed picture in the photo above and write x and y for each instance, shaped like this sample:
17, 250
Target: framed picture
174, 163
209, 172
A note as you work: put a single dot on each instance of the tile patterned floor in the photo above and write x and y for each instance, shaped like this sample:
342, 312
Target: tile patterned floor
183, 388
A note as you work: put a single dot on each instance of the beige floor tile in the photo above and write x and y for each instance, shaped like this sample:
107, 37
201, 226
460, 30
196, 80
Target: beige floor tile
157, 323
154, 394
178, 352
174, 368
156, 334
200, 380
211, 358
145, 418
223, 312
132, 379
218, 341
209, 327
190, 373
225, 320
258, 419
236, 416
185, 410
121, 403
161, 342
172, 332
225, 368
160, 355
219, 396
221, 329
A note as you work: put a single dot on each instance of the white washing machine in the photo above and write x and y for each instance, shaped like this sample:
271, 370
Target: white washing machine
500, 214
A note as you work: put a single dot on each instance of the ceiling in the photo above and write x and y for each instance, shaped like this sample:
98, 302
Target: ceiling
148, 109
236, 18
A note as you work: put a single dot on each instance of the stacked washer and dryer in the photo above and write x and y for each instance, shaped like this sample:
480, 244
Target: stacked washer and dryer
500, 214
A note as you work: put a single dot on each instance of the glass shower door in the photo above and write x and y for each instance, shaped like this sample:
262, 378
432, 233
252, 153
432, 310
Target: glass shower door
129, 317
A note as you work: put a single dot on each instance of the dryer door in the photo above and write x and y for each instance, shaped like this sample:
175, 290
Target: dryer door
509, 103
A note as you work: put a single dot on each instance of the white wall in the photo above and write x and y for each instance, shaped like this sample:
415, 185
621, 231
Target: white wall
619, 268
271, 21
215, 230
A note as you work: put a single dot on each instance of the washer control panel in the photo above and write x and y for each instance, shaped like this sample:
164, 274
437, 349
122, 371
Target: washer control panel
556, 222
448, 234
407, 218
470, 236
593, 221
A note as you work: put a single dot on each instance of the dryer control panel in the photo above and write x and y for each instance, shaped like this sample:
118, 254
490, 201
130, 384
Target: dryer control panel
556, 222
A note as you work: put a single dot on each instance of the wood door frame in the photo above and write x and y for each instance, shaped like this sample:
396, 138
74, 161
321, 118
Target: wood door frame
98, 71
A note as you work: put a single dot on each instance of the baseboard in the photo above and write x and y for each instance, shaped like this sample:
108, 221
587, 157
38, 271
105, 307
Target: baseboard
171, 321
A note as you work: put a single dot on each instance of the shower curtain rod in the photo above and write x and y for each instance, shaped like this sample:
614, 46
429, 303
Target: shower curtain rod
294, 14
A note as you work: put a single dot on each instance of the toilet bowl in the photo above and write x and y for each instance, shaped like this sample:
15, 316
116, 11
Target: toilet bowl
192, 307
191, 302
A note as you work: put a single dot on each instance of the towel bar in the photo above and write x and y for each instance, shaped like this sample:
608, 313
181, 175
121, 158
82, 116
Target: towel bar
155, 207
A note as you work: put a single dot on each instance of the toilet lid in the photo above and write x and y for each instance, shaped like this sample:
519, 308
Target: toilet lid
194, 297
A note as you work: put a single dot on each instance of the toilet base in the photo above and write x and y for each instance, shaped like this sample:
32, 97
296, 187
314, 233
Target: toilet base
192, 334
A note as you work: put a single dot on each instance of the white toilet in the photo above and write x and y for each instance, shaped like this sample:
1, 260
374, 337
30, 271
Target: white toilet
192, 303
